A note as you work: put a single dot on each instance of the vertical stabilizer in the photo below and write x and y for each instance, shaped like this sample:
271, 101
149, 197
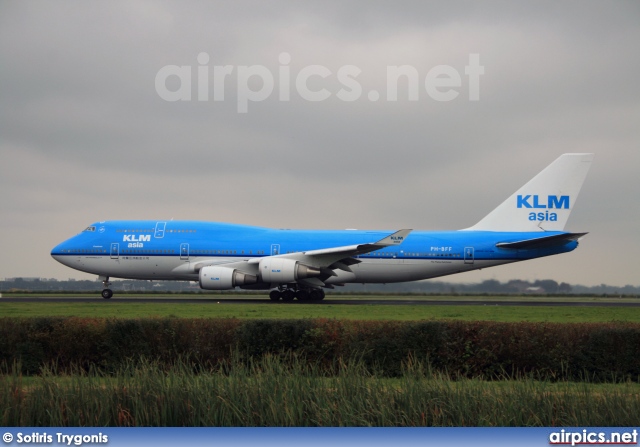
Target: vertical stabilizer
545, 202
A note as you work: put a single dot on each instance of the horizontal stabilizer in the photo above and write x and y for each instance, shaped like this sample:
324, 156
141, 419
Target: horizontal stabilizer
542, 242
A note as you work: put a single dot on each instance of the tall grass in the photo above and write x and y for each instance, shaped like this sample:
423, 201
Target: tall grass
272, 392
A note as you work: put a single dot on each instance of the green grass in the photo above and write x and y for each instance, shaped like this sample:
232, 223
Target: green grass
271, 393
268, 310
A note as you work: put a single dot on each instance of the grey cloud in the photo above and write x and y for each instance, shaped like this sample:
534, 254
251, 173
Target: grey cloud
84, 135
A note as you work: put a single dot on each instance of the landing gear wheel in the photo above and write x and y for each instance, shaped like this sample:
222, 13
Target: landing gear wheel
275, 295
106, 292
288, 295
303, 295
317, 295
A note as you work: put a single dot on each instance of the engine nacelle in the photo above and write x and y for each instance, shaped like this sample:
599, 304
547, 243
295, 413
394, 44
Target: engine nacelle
213, 277
281, 270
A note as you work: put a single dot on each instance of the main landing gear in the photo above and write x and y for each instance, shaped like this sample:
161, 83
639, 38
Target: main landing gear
289, 294
106, 292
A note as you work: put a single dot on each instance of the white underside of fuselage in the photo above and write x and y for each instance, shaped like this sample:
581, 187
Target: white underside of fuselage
173, 268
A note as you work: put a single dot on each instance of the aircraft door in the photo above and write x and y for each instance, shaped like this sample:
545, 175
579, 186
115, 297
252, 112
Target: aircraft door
115, 250
159, 233
468, 255
275, 249
184, 252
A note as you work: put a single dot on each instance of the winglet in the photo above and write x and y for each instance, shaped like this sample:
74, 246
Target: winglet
396, 238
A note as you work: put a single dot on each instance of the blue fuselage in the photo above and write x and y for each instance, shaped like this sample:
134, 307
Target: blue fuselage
173, 249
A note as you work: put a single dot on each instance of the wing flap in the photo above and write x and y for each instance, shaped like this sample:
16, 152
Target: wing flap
313, 282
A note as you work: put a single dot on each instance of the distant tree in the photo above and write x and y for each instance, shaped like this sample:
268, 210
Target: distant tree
564, 288
489, 286
549, 285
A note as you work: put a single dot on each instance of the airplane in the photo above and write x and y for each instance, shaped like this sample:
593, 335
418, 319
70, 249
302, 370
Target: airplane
300, 264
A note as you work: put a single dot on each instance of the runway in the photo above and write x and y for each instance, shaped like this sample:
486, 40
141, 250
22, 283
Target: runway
341, 301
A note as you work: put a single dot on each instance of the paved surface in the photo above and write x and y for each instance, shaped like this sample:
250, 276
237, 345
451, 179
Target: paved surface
329, 300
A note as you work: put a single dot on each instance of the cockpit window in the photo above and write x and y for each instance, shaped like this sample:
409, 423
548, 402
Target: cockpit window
90, 229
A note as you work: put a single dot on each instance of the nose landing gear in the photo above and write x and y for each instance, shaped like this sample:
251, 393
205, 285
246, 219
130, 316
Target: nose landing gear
106, 292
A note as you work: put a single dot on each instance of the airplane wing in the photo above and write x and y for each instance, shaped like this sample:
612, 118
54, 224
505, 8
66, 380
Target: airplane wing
327, 256
353, 250
329, 259
325, 259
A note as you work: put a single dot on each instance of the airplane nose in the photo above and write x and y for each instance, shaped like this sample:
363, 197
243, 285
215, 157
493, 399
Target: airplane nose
57, 249
55, 252
58, 253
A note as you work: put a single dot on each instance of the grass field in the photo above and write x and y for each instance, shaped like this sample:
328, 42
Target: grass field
210, 307
270, 393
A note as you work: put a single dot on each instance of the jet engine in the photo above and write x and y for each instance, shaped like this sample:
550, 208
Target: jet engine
281, 270
214, 277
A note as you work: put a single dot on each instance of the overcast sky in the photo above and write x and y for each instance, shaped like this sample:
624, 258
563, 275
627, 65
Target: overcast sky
86, 136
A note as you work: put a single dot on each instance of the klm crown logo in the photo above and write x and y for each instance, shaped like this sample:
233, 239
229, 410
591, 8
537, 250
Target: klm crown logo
536, 202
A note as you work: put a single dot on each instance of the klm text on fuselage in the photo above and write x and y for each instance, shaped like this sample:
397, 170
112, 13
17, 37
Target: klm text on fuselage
136, 240
552, 202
